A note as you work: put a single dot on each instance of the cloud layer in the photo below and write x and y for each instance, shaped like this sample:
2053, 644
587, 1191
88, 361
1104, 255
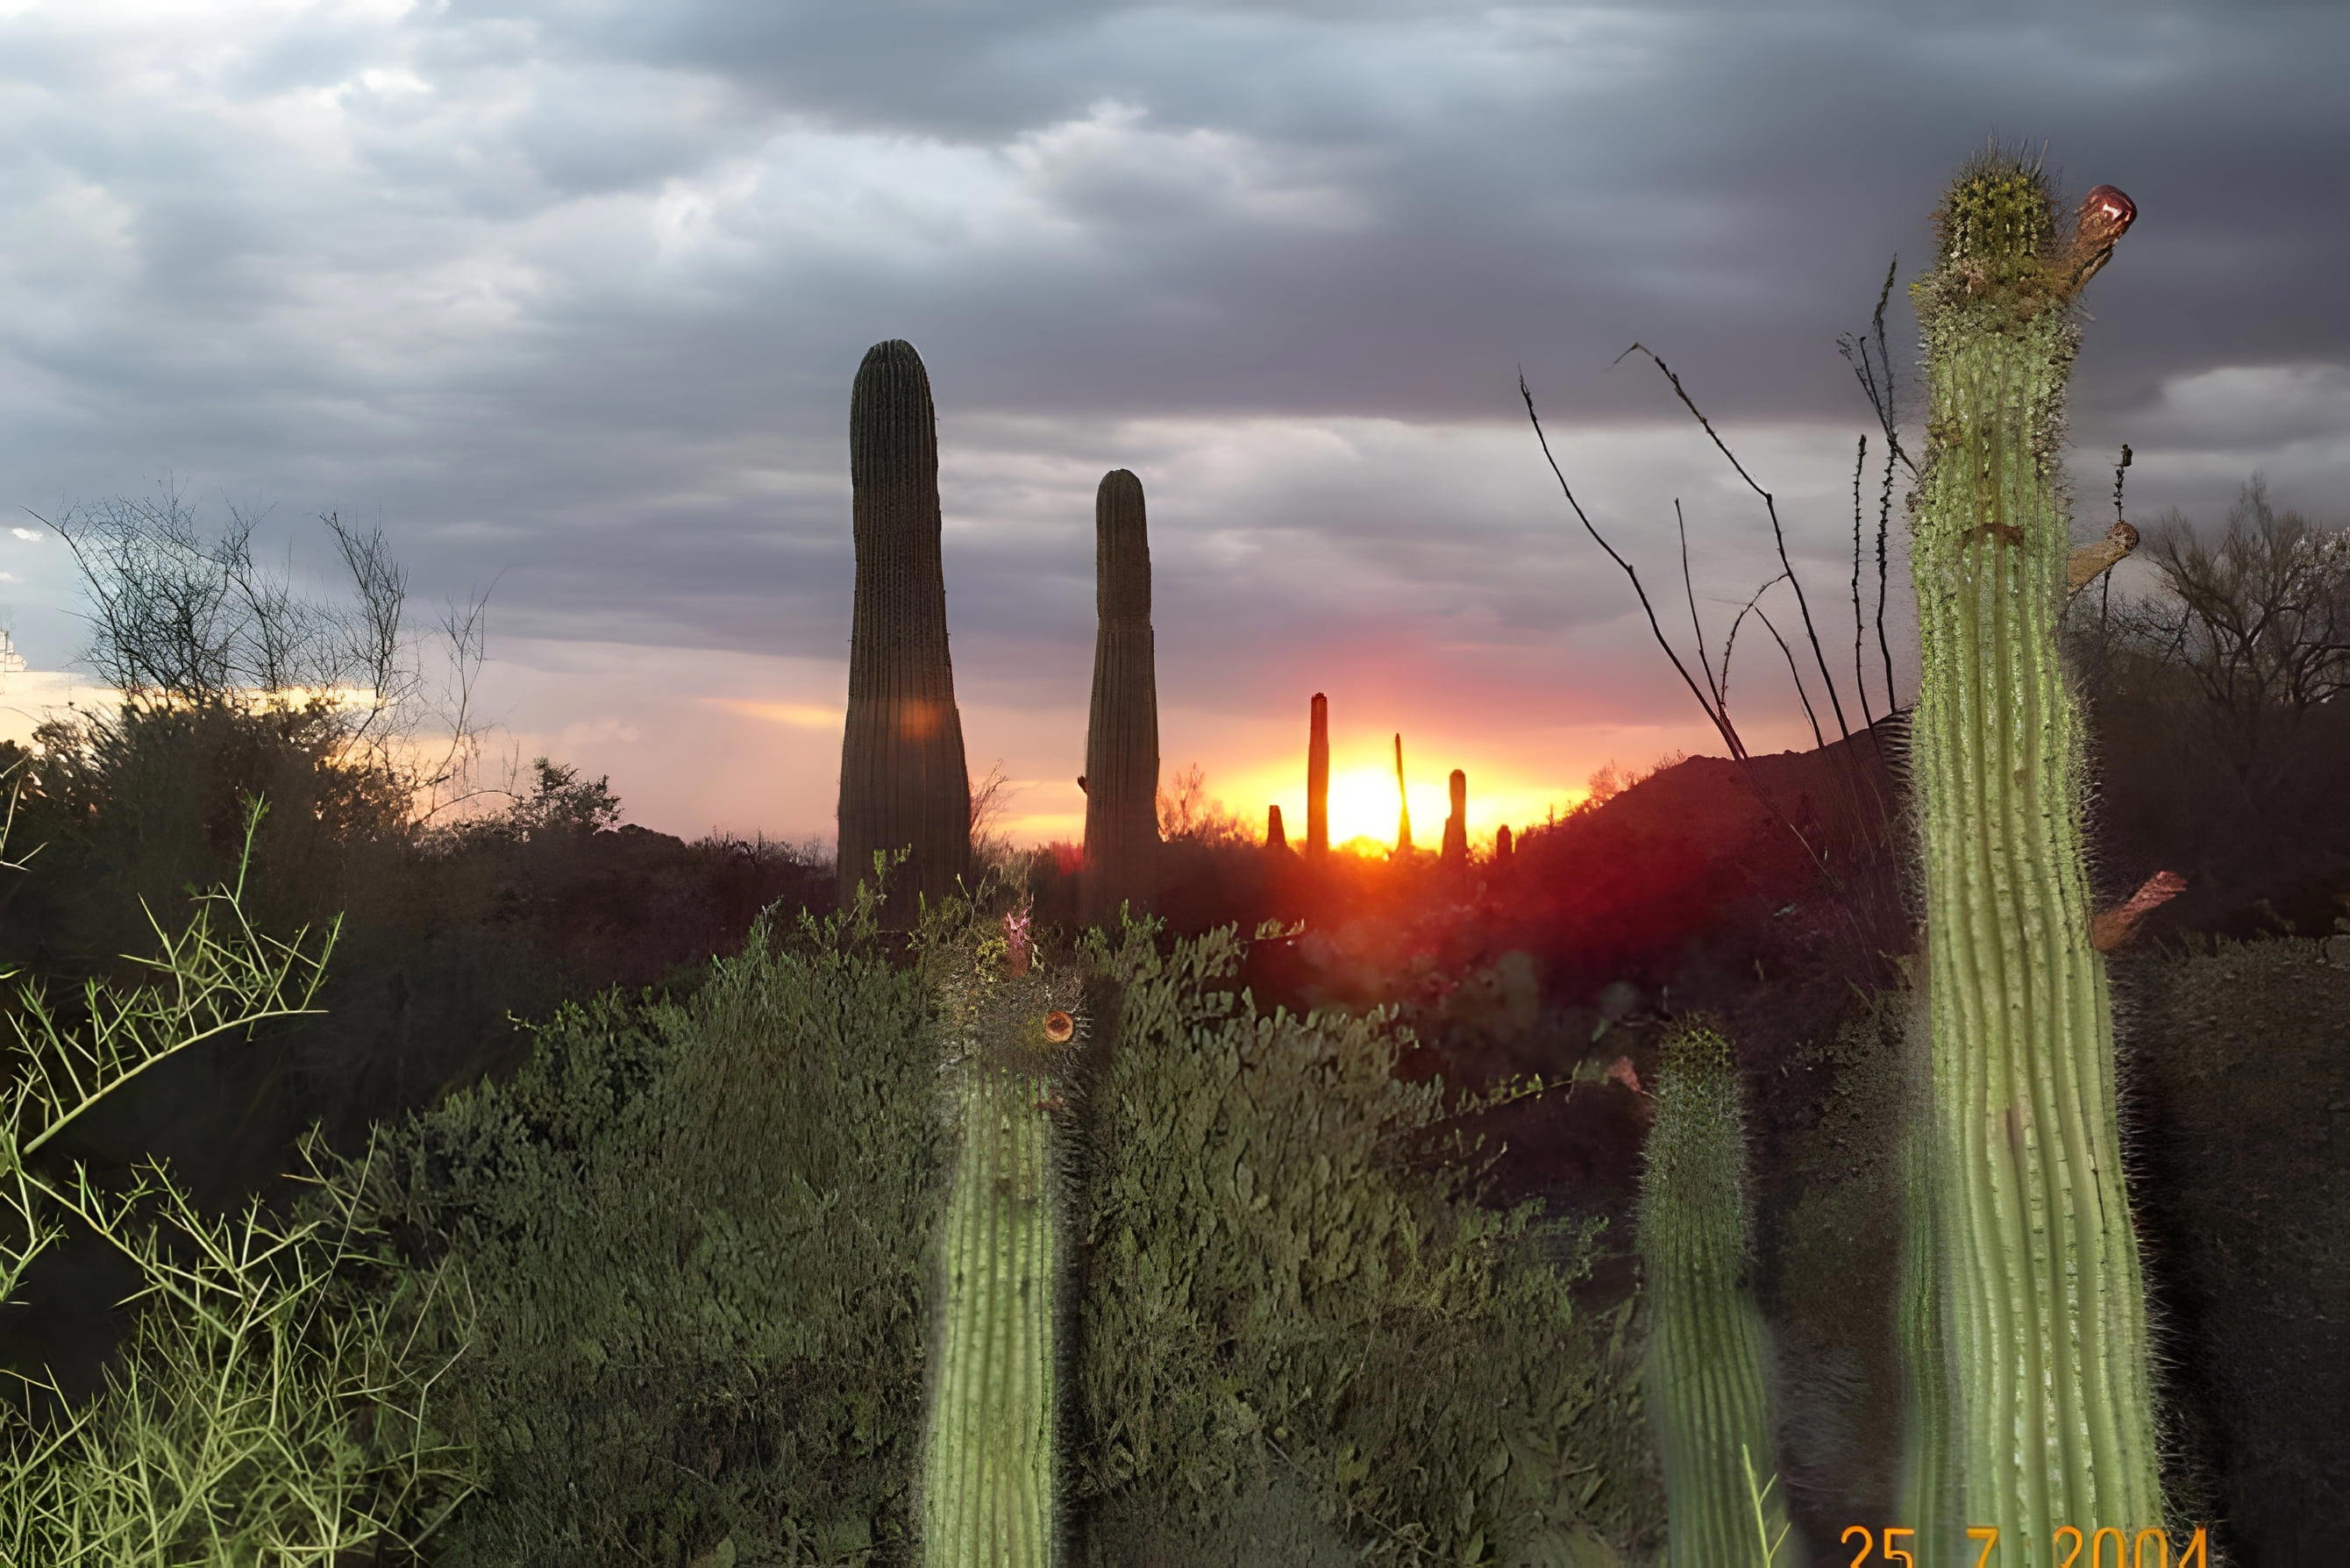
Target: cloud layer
568, 297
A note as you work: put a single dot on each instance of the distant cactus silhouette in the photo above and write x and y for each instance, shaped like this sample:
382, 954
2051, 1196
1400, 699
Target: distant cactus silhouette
903, 784
1121, 850
1504, 849
1317, 780
1403, 820
1454, 854
1274, 838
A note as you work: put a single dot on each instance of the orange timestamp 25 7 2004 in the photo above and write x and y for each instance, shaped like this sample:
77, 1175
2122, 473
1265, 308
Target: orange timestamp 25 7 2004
2074, 1549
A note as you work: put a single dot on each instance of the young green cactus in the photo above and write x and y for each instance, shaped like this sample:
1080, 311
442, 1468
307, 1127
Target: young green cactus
1704, 1376
994, 1445
2046, 1380
1122, 737
903, 783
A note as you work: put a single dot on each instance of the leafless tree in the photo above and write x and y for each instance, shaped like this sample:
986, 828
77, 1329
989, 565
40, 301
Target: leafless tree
185, 620
988, 801
1186, 813
2255, 634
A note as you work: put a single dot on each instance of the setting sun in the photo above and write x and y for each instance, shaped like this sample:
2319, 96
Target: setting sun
1363, 805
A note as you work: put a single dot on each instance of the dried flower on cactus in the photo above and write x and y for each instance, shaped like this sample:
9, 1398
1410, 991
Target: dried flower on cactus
2106, 215
1015, 938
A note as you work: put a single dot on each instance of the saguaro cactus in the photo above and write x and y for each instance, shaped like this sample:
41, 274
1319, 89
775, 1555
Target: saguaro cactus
1403, 820
903, 783
1704, 1376
991, 1454
1317, 780
1455, 851
1122, 739
1274, 838
2047, 1377
1503, 850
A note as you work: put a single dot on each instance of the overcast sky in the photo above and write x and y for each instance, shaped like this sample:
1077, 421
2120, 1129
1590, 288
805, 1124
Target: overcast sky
568, 297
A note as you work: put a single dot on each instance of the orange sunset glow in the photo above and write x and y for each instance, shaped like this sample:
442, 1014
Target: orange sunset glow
1362, 805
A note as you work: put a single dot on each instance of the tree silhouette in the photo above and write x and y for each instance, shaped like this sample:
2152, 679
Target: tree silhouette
187, 621
2242, 642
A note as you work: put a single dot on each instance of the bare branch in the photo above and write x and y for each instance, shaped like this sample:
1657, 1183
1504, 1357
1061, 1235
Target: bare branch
1732, 642
1795, 674
1720, 716
1690, 589
1777, 534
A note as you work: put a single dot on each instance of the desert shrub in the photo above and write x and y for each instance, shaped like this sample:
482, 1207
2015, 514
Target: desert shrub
695, 1230
1268, 1276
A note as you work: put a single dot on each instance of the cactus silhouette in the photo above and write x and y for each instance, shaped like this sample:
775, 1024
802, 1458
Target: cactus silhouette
1121, 855
1274, 838
1403, 820
995, 1430
1455, 851
903, 784
1704, 1373
1317, 780
1503, 849
2031, 1267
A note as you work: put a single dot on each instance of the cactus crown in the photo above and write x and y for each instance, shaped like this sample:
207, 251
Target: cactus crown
1121, 548
1998, 209
1697, 1051
1023, 1014
1997, 241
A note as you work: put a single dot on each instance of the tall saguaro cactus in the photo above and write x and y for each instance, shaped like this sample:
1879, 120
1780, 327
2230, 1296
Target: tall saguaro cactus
1317, 780
1455, 851
2047, 1377
1122, 739
903, 784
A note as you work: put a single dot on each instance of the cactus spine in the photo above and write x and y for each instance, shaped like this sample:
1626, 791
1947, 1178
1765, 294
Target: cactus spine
992, 1465
1403, 821
1455, 852
1122, 738
903, 784
2047, 1376
1317, 780
1703, 1378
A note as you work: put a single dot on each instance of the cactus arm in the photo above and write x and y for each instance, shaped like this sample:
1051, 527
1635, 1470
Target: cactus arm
2089, 561
2117, 926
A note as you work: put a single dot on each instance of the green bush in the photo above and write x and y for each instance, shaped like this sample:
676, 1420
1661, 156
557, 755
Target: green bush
695, 1235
